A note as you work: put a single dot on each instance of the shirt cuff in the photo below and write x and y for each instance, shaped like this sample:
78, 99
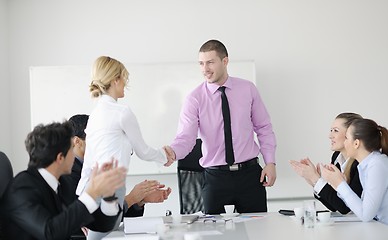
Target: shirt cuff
89, 202
344, 190
165, 160
268, 157
109, 208
319, 186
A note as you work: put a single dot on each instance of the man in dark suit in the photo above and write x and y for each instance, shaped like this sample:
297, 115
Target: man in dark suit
33, 204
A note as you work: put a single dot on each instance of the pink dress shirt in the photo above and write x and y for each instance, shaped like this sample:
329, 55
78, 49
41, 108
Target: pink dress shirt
201, 116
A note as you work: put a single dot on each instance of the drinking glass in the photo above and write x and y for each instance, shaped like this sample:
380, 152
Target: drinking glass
309, 213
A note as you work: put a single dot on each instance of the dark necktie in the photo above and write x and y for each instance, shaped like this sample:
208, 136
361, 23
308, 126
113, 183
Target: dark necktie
61, 197
229, 155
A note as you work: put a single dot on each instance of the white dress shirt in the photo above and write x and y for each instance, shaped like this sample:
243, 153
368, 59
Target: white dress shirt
374, 199
113, 132
85, 198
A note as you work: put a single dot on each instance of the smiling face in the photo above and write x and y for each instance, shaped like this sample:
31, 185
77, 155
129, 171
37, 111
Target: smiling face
213, 67
337, 134
350, 143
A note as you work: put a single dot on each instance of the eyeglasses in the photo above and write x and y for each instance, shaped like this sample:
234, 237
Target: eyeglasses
214, 220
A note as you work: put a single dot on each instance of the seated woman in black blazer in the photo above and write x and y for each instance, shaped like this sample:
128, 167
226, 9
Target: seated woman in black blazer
348, 166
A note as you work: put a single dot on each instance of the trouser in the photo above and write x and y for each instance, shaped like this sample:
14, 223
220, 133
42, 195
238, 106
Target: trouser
241, 188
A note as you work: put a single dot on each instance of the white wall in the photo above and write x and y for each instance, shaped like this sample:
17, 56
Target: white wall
5, 106
308, 55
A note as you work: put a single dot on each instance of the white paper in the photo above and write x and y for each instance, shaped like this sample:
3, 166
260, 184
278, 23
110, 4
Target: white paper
344, 218
142, 224
138, 237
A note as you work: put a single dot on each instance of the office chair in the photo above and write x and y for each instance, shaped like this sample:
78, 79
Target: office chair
190, 181
6, 175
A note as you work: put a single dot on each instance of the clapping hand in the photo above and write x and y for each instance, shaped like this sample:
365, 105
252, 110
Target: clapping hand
306, 169
148, 191
158, 195
332, 175
140, 191
104, 181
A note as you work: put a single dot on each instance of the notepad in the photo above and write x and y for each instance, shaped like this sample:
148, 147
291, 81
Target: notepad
142, 224
336, 217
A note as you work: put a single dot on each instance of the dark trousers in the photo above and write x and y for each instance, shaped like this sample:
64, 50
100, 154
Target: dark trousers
241, 188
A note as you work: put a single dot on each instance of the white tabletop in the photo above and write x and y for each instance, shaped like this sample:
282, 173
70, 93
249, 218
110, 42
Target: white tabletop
268, 226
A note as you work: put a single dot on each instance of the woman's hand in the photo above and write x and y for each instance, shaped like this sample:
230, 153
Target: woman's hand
332, 175
306, 169
171, 157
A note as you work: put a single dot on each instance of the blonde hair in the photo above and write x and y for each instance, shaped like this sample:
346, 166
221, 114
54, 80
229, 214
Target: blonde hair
105, 70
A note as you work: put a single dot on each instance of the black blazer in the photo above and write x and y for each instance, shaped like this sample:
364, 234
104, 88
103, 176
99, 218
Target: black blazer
69, 182
34, 211
328, 196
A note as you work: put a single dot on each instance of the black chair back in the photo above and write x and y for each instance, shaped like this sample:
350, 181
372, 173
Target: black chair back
6, 175
190, 181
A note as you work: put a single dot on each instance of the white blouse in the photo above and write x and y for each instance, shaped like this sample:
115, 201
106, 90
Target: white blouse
373, 203
113, 132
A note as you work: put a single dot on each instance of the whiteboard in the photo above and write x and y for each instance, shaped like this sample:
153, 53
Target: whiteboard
155, 95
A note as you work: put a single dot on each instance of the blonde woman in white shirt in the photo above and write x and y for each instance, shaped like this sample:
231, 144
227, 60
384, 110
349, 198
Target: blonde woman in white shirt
368, 143
112, 130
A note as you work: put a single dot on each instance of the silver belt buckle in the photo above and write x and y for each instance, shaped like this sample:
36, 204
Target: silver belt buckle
233, 167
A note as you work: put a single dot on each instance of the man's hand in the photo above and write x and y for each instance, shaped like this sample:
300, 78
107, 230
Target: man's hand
106, 180
140, 191
158, 196
171, 157
85, 231
268, 174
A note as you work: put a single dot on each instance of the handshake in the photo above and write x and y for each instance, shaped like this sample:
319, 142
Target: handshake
171, 157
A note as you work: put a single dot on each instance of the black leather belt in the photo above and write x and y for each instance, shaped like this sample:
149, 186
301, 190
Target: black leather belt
237, 166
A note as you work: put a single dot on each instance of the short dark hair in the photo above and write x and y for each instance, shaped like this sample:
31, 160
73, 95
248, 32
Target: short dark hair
215, 45
45, 142
79, 122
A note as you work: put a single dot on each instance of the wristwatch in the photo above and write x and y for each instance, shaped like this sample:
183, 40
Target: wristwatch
110, 199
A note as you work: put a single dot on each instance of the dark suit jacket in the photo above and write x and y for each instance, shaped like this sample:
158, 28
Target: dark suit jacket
134, 211
34, 211
328, 196
69, 182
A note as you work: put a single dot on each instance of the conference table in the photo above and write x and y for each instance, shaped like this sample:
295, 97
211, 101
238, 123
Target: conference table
265, 226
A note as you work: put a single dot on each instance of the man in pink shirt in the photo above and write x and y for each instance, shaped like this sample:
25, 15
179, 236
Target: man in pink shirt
232, 172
